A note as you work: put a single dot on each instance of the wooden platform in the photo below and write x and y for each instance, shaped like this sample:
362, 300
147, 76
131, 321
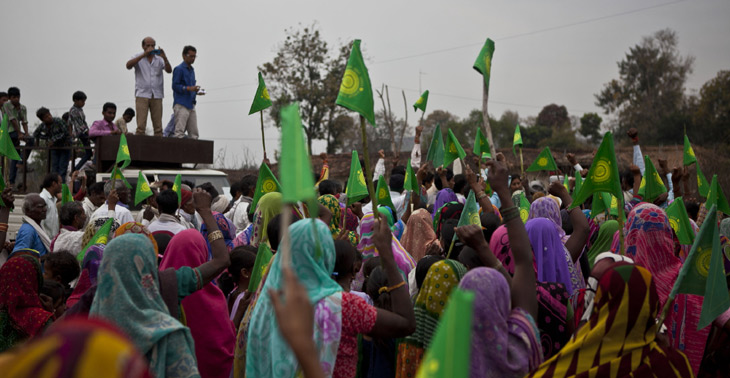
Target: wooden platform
151, 151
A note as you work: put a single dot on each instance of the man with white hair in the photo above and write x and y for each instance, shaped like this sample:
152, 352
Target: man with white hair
113, 209
31, 235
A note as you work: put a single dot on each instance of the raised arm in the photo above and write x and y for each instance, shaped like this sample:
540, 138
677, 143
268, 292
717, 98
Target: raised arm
478, 187
473, 237
523, 281
401, 322
578, 238
220, 260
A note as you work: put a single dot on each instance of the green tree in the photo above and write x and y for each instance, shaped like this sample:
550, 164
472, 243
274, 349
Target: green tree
554, 116
590, 126
649, 93
711, 112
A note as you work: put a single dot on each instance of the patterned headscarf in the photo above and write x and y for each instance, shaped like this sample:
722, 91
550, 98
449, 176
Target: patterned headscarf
441, 278
504, 339
619, 338
268, 207
136, 228
89, 273
419, 234
225, 226
93, 227
333, 205
450, 210
268, 354
21, 311
128, 293
547, 207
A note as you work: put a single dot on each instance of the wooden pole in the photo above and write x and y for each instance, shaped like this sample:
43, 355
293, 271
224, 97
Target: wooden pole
368, 172
522, 163
285, 237
621, 244
485, 116
263, 138
665, 312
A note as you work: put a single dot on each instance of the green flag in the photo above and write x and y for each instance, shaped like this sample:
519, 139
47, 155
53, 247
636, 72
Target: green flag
679, 220
177, 188
603, 174
357, 188
66, 196
717, 197
356, 92
703, 273
524, 208
100, 237
702, 185
453, 149
263, 256
143, 191
470, 214
421, 103
516, 139
117, 175
261, 100
6, 144
481, 146
448, 354
295, 168
566, 182
689, 154
651, 185
483, 64
543, 162
600, 204
436, 148
123, 152
266, 183
578, 182
383, 193
411, 183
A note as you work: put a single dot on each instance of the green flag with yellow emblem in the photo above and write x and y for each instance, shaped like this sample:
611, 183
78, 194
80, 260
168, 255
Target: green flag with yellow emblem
470, 214
143, 191
261, 100
66, 196
356, 92
383, 193
117, 175
578, 182
483, 64
421, 102
266, 183
453, 149
410, 182
717, 197
436, 148
6, 144
481, 146
543, 162
703, 272
603, 174
263, 256
357, 188
177, 188
100, 237
600, 204
689, 154
651, 185
703, 186
516, 139
123, 152
524, 208
679, 220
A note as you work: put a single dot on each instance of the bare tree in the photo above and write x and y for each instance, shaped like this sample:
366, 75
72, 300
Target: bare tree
396, 128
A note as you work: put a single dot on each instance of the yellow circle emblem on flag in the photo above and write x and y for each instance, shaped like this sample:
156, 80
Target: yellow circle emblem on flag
420, 101
674, 223
361, 178
265, 93
145, 187
474, 219
602, 173
488, 64
691, 152
268, 186
702, 263
516, 138
524, 214
432, 367
175, 188
102, 239
452, 148
350, 82
125, 149
543, 162
382, 193
699, 182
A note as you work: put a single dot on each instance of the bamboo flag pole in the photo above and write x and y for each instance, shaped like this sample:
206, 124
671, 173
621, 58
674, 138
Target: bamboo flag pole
368, 172
522, 162
263, 138
285, 237
621, 244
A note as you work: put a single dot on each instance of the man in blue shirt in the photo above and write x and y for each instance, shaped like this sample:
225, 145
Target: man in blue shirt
31, 234
184, 91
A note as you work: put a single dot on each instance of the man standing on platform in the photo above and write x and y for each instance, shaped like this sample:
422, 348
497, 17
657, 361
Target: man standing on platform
184, 91
148, 84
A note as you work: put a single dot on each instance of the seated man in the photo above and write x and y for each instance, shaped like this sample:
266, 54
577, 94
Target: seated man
31, 235
168, 220
119, 211
73, 219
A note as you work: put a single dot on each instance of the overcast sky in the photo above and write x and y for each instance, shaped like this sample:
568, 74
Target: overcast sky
560, 51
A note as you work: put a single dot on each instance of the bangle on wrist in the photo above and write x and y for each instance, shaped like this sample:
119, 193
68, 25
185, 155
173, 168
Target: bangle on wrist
215, 235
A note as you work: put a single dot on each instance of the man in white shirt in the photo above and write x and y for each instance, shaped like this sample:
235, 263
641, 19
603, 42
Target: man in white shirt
51, 187
120, 213
239, 211
95, 197
148, 84
168, 220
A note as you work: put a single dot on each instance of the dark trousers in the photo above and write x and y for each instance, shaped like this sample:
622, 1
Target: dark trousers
84, 138
59, 162
14, 163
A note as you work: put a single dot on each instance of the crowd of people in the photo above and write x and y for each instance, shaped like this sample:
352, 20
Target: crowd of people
196, 284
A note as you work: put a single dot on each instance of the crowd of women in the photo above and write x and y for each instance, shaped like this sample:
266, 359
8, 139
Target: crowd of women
349, 294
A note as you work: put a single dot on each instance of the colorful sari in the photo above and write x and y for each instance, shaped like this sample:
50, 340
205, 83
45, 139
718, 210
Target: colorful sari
128, 294
206, 310
619, 339
268, 354
419, 234
333, 205
225, 226
442, 277
89, 270
547, 207
504, 340
603, 241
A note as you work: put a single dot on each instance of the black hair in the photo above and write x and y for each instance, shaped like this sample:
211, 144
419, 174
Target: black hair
242, 257
96, 188
627, 177
108, 105
49, 179
162, 239
566, 223
55, 290
470, 258
13, 92
423, 266
41, 112
429, 178
377, 279
78, 95
69, 212
188, 183
4, 94
187, 49
248, 184
447, 235
273, 231
328, 187
63, 264
693, 209
490, 222
449, 176
235, 188
208, 187
345, 256
167, 201
129, 111
64, 117
459, 183
396, 182
398, 170
367, 269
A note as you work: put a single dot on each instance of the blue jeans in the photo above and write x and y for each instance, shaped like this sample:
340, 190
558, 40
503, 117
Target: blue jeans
84, 138
14, 163
59, 162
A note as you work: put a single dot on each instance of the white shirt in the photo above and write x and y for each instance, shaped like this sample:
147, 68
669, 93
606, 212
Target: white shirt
239, 214
139, 218
399, 201
89, 209
148, 79
167, 222
121, 214
51, 224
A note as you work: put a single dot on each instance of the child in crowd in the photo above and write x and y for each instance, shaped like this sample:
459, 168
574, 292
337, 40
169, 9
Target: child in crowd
126, 118
57, 295
77, 119
62, 267
105, 126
